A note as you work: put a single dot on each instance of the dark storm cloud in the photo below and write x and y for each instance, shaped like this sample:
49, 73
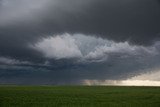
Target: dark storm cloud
123, 61
133, 20
24, 22
64, 72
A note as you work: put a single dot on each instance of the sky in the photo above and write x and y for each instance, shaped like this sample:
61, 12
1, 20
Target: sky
84, 42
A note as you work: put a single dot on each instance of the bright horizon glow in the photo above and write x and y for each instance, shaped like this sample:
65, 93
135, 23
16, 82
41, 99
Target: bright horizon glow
151, 78
122, 82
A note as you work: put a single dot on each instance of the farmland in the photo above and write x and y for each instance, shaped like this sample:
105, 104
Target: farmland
79, 96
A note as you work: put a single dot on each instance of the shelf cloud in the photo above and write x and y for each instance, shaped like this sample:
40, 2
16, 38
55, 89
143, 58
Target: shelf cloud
87, 47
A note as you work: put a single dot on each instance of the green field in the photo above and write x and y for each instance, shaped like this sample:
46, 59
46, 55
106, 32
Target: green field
79, 96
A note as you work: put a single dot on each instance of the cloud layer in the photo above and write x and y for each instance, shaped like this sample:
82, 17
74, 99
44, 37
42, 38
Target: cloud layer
87, 47
59, 47
68, 41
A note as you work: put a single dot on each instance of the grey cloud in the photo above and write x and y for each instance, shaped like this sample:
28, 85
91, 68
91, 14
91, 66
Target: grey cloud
134, 21
87, 47
9, 61
120, 64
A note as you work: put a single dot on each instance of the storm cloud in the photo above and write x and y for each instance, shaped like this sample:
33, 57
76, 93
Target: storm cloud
68, 41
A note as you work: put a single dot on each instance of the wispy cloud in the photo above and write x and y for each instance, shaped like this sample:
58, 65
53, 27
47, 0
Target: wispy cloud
11, 61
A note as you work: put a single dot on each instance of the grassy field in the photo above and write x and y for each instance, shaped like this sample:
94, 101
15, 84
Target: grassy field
79, 96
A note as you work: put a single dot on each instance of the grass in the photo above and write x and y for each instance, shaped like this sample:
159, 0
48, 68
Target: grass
79, 96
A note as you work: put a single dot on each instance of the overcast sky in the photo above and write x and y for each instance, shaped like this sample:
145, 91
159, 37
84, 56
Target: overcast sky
79, 41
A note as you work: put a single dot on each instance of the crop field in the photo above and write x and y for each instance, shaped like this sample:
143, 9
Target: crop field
79, 96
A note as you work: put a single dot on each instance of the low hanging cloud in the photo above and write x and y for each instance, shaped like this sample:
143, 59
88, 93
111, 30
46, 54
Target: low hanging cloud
59, 47
151, 75
85, 47
11, 61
